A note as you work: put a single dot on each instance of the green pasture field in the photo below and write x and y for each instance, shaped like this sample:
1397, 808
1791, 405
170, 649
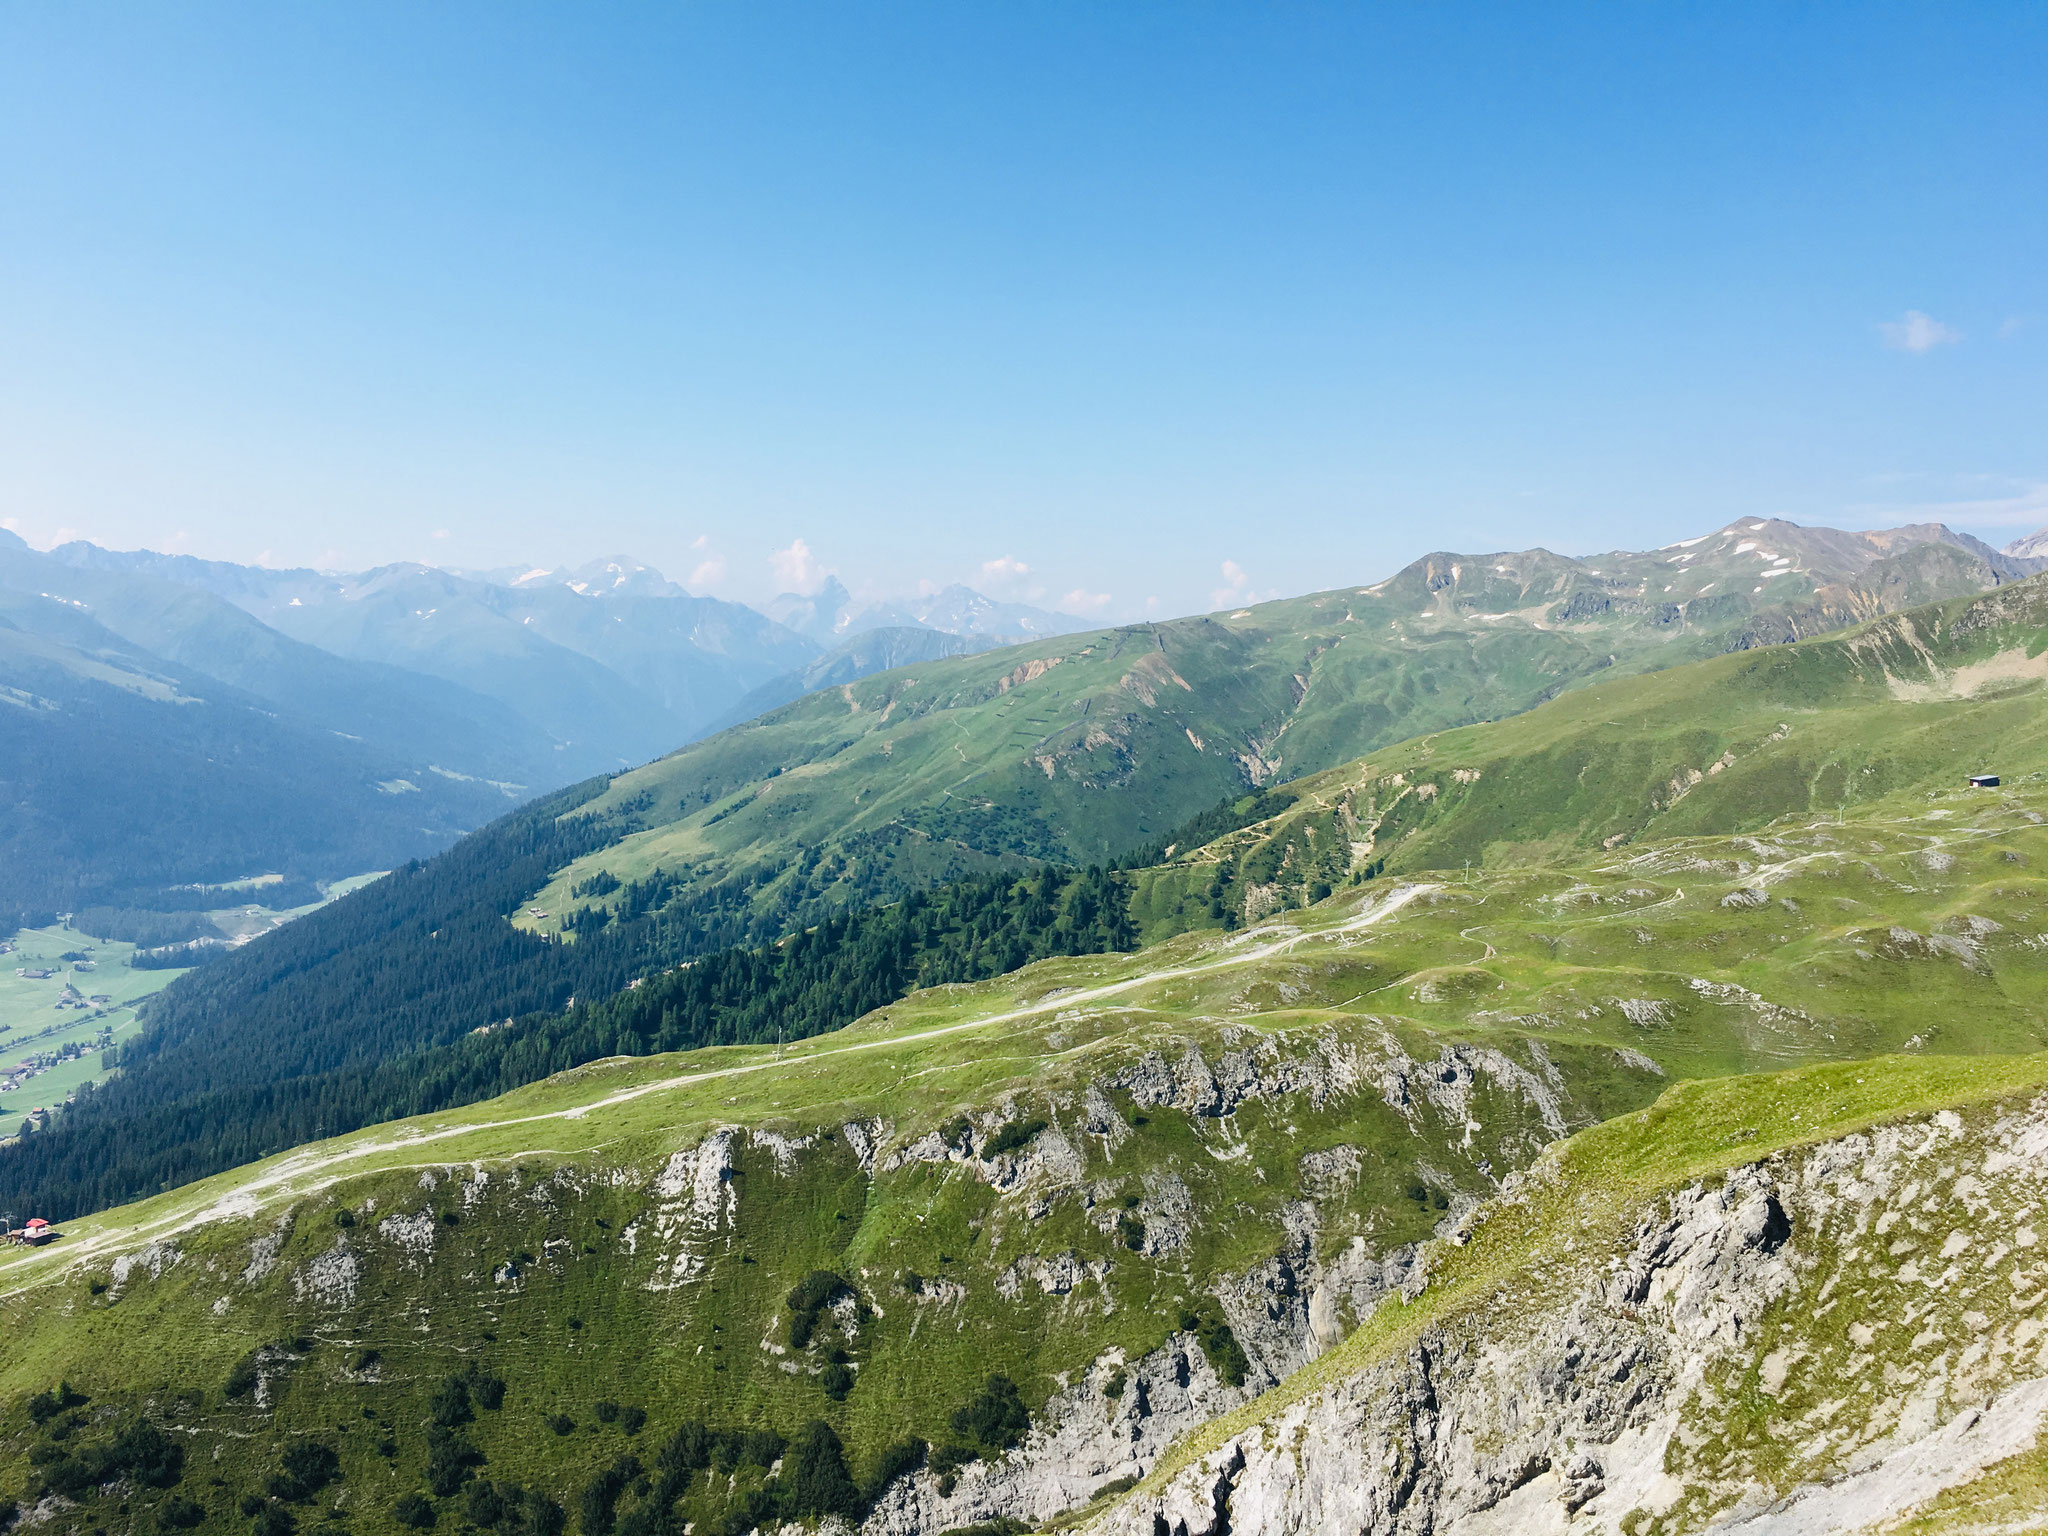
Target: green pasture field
31, 1022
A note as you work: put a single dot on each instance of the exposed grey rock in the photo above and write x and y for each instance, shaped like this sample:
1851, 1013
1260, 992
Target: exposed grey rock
1058, 1274
1083, 1440
330, 1278
866, 1137
695, 1199
1331, 1171
154, 1258
412, 1234
1602, 1397
263, 1252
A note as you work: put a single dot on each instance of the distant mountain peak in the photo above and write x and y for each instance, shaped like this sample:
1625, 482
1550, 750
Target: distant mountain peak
620, 574
813, 615
2033, 546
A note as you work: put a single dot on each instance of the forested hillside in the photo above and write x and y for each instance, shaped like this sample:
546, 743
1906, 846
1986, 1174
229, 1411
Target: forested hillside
208, 1087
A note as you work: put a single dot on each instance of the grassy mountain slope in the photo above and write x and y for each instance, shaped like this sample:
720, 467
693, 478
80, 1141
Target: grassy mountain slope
1142, 1187
1918, 699
1085, 747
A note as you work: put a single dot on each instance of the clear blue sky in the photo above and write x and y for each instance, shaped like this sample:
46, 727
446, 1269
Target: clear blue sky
1116, 292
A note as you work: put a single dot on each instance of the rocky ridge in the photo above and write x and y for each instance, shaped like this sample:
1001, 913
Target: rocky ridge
1822, 1341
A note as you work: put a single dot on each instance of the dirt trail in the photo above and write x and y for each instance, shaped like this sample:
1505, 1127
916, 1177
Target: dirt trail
305, 1174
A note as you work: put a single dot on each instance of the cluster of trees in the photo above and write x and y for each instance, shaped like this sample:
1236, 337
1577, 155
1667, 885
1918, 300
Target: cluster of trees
75, 1456
727, 1470
995, 829
68, 1464
992, 1421
135, 925
815, 1480
1218, 1343
1229, 816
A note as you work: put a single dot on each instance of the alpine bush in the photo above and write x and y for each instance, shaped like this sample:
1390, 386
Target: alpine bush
814, 1480
1008, 1138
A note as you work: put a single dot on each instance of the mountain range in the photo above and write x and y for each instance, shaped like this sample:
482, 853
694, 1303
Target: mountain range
472, 691
337, 1018
396, 708
1087, 747
1670, 1166
830, 615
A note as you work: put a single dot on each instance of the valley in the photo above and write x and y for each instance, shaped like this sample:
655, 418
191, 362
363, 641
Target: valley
94, 983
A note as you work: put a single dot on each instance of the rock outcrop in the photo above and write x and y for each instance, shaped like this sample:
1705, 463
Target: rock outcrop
1822, 1341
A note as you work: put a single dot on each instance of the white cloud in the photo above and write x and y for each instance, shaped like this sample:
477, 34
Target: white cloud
1236, 588
796, 569
710, 569
11, 524
1081, 601
1915, 331
2012, 325
440, 533
1004, 574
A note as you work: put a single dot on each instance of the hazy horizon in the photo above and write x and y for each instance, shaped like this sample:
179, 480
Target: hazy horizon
1116, 313
1004, 585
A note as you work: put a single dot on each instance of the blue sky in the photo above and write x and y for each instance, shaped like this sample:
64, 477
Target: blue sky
1116, 294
